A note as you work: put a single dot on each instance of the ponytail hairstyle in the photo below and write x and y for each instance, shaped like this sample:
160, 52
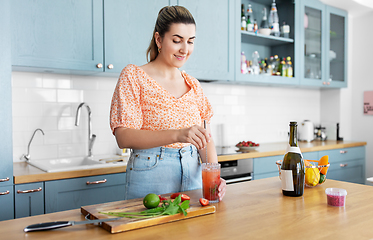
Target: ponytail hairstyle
167, 16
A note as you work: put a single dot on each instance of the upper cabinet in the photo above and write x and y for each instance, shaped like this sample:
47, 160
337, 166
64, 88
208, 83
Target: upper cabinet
248, 42
323, 45
214, 52
96, 36
129, 27
65, 35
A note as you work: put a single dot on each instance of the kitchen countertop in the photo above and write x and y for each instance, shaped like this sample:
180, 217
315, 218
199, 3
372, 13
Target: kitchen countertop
250, 210
24, 173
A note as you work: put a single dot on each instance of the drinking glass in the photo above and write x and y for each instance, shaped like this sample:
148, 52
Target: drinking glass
211, 181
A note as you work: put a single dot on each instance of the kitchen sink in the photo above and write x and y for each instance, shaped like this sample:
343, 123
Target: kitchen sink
78, 163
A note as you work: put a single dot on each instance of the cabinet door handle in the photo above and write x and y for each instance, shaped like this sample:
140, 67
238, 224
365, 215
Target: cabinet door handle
4, 193
342, 152
96, 182
30, 191
99, 65
110, 66
343, 165
4, 179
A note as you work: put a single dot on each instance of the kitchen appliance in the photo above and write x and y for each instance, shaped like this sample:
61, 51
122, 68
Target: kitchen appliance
237, 170
320, 133
306, 131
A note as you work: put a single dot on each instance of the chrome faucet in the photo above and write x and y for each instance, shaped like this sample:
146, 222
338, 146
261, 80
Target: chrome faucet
28, 156
91, 137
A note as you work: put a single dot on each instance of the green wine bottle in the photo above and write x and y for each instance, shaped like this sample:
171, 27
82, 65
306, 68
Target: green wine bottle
292, 167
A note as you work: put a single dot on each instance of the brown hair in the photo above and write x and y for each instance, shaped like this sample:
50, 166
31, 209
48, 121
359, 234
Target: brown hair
167, 16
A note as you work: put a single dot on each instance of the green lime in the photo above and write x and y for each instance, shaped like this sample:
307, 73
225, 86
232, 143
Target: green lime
151, 200
322, 178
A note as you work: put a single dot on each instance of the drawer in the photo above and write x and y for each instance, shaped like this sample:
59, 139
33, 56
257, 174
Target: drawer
29, 199
73, 193
349, 171
344, 154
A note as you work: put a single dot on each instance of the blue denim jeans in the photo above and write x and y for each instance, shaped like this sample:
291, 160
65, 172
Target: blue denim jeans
162, 170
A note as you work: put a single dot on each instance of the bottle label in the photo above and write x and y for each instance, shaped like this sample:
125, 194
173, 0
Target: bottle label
275, 27
287, 180
293, 150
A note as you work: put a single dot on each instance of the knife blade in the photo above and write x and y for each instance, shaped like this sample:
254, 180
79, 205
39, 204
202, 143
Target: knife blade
61, 224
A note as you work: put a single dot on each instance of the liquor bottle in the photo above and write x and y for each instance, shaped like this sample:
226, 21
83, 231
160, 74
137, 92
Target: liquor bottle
271, 65
276, 63
264, 22
243, 18
249, 19
255, 64
289, 72
273, 21
255, 28
284, 68
292, 167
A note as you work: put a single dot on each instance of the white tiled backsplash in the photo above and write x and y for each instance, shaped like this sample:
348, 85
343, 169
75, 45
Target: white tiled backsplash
49, 101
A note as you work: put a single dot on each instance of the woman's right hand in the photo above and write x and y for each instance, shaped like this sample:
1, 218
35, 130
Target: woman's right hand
196, 135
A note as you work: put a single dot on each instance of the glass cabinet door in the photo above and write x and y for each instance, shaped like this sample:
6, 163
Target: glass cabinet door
313, 44
337, 73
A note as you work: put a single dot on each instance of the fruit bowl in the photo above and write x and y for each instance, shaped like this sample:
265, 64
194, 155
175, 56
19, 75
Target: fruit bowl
313, 176
245, 146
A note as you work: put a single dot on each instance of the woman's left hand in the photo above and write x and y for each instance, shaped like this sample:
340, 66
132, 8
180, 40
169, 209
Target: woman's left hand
222, 188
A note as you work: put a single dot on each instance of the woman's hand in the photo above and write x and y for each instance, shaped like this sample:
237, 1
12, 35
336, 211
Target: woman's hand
195, 135
222, 188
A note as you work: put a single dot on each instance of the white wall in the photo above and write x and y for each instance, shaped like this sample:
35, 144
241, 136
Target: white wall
49, 101
362, 80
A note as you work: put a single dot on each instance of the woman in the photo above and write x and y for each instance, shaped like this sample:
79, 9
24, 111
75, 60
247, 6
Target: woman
158, 111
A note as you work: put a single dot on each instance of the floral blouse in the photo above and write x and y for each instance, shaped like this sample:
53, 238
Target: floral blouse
139, 102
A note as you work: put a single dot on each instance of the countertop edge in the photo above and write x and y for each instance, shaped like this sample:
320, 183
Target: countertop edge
24, 173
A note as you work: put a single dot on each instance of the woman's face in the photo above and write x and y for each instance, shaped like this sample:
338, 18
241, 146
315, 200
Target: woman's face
177, 44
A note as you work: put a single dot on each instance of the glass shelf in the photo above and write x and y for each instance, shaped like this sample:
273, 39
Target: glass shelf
260, 39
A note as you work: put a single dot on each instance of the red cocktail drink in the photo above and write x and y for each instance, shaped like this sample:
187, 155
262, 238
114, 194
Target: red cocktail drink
210, 181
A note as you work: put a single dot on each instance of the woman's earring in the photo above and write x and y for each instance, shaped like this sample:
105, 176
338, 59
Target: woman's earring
159, 50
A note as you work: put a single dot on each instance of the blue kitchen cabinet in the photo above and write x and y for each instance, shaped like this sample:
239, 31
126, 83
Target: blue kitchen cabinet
29, 199
214, 51
266, 46
266, 167
57, 35
346, 164
6, 200
129, 27
73, 193
6, 146
323, 45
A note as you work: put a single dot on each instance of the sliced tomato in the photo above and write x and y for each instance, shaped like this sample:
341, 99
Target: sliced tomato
184, 197
204, 201
173, 196
161, 198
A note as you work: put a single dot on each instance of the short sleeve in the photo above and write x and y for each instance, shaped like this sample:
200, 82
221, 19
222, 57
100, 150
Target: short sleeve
125, 108
204, 105
206, 109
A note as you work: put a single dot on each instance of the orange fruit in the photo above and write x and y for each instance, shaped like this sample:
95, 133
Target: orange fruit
324, 160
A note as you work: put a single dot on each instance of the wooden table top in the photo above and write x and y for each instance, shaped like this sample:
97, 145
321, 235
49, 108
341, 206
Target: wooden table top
250, 210
24, 173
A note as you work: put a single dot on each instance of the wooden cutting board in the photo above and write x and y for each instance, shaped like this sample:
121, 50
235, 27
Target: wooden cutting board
136, 205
